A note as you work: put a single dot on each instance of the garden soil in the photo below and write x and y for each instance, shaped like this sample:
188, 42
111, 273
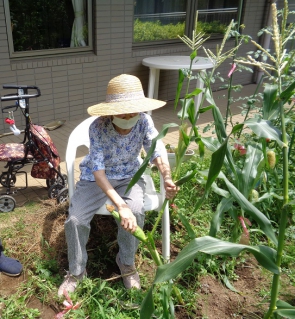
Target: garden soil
213, 301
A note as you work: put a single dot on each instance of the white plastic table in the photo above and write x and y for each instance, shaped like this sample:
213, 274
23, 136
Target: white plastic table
171, 62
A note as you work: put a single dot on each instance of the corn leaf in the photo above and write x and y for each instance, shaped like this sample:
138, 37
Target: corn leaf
147, 306
252, 169
217, 159
194, 93
145, 162
264, 128
187, 226
181, 77
270, 108
209, 245
287, 94
205, 109
248, 207
224, 206
285, 310
186, 104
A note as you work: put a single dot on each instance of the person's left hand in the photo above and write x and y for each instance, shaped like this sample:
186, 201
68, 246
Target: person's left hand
170, 188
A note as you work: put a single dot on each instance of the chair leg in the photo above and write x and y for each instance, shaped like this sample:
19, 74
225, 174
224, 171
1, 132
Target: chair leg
166, 234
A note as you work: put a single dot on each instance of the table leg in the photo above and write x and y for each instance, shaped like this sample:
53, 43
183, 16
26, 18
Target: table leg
199, 85
153, 87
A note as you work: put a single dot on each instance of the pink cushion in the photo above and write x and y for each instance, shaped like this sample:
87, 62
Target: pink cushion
12, 151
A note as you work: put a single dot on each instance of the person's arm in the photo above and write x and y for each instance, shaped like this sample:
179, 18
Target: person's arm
128, 220
163, 165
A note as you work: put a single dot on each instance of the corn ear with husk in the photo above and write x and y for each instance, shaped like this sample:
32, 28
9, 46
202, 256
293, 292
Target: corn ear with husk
254, 195
271, 158
139, 234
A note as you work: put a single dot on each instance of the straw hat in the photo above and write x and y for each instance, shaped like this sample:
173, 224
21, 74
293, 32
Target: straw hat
124, 95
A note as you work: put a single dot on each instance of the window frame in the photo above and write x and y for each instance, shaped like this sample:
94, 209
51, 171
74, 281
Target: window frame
48, 52
191, 13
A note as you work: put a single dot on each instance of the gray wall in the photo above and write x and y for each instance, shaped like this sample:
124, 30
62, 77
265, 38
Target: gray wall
71, 83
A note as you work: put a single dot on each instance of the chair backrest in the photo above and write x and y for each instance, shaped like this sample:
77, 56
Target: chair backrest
78, 137
152, 200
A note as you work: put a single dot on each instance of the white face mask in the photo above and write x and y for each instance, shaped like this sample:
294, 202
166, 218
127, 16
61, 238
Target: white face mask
125, 124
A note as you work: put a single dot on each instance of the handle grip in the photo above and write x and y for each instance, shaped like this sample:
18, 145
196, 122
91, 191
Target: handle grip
10, 97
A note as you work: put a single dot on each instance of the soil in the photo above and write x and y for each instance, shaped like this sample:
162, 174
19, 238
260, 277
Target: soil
214, 300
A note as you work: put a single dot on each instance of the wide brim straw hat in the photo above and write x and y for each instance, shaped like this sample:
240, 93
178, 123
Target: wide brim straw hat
124, 95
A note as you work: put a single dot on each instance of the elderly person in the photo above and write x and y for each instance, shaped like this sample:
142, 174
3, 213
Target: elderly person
116, 138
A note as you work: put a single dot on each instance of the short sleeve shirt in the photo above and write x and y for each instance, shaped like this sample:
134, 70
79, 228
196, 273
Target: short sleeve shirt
115, 153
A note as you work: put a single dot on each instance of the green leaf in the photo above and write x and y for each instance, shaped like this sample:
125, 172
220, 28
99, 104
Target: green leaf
147, 306
228, 284
226, 281
201, 148
187, 226
219, 124
285, 310
181, 78
195, 92
270, 107
209, 245
191, 112
205, 109
224, 205
251, 170
263, 128
193, 54
213, 145
220, 191
237, 128
145, 162
286, 95
217, 160
188, 176
185, 137
248, 207
186, 104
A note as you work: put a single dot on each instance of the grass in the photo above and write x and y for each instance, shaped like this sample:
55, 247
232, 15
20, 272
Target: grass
34, 234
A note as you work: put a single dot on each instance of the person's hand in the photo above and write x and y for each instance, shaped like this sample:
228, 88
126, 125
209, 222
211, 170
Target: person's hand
170, 188
128, 220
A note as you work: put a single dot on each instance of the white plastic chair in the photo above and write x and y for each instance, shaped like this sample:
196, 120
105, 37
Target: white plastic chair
152, 200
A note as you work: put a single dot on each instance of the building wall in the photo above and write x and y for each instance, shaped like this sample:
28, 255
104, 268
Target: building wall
71, 83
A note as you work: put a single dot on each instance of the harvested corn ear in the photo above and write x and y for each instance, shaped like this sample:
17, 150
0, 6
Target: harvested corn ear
139, 234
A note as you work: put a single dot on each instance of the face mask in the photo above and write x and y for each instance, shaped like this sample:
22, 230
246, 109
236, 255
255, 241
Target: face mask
125, 124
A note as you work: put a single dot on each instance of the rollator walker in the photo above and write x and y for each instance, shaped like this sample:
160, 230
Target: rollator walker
36, 149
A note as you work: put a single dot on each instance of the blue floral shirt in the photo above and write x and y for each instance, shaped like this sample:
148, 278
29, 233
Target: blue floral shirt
115, 153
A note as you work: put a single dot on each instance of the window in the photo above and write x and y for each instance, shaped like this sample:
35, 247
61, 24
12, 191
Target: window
42, 27
158, 20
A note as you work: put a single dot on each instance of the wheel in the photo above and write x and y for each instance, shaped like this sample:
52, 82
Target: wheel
3, 180
62, 196
7, 203
59, 180
54, 190
50, 182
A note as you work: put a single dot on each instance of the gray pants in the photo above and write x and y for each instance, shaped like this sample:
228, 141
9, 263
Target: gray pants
87, 198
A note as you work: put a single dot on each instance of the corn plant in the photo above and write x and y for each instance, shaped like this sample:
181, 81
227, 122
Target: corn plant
239, 197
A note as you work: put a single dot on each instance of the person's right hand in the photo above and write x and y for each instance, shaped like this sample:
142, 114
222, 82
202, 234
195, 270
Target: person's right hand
128, 220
